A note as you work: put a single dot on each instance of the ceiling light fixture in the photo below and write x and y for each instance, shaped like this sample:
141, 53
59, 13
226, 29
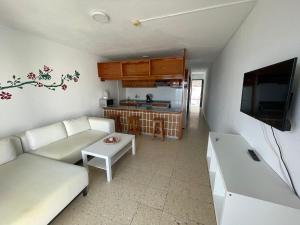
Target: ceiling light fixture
138, 22
99, 16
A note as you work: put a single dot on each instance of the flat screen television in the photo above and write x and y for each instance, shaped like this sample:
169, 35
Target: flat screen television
267, 93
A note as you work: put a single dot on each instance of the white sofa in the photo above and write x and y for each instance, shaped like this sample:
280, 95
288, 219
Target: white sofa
36, 182
64, 140
35, 189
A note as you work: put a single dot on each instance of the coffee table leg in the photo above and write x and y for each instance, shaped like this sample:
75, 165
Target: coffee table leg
133, 146
84, 160
108, 169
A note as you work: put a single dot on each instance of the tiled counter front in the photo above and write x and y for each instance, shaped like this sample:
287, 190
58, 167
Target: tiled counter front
173, 121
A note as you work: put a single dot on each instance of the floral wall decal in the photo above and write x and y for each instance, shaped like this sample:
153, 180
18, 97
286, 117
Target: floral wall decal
40, 80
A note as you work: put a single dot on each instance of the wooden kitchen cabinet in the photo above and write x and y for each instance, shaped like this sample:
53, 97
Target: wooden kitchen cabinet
150, 69
110, 71
136, 69
167, 67
138, 83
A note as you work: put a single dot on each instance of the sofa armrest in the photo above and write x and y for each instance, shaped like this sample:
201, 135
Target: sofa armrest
102, 124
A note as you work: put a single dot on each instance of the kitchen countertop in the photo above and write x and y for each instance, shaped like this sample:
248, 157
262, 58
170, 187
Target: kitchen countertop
143, 101
146, 108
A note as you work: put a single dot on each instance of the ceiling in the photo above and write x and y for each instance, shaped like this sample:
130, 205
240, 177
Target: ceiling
203, 34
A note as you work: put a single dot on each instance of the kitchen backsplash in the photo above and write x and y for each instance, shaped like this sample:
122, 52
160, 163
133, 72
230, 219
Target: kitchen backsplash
160, 93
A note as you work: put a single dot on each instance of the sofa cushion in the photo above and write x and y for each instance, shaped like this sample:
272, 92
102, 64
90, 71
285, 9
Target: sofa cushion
69, 149
35, 189
7, 151
76, 126
43, 136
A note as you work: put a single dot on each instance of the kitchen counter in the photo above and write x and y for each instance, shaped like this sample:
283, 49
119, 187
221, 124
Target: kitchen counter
145, 108
144, 103
172, 118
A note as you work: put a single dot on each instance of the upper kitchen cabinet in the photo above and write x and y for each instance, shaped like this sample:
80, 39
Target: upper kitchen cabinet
110, 71
138, 83
135, 69
150, 69
167, 68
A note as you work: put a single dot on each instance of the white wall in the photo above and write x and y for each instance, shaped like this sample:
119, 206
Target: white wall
121, 93
21, 53
160, 93
197, 66
270, 34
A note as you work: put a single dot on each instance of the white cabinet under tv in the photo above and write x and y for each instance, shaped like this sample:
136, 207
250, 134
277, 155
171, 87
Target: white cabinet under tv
247, 192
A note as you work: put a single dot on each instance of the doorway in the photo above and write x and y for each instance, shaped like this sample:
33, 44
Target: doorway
196, 95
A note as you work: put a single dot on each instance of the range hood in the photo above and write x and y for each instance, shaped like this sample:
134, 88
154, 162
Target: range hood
169, 83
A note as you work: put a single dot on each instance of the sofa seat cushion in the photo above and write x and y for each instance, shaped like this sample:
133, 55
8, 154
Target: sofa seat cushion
35, 189
69, 149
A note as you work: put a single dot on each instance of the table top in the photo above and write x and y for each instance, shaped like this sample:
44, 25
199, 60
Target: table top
103, 150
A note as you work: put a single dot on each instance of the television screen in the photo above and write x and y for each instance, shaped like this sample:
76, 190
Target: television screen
267, 93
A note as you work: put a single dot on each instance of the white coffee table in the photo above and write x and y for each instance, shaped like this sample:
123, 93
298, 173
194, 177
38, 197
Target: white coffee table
105, 155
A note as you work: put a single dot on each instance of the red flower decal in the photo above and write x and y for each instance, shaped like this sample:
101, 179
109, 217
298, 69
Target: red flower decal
5, 95
64, 87
46, 68
31, 76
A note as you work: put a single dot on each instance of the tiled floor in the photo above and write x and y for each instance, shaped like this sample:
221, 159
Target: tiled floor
166, 183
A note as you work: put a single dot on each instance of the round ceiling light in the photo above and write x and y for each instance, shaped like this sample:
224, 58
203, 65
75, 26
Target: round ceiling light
99, 16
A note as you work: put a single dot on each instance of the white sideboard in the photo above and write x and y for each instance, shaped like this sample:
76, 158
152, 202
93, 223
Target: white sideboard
246, 192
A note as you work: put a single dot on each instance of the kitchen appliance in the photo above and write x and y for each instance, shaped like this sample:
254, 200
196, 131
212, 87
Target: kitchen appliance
105, 94
149, 98
106, 102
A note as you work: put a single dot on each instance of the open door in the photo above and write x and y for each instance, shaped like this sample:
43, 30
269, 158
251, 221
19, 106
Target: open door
196, 95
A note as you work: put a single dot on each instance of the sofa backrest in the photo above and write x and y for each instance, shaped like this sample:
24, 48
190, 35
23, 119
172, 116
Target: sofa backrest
43, 136
10, 148
103, 124
77, 125
24, 140
39, 137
